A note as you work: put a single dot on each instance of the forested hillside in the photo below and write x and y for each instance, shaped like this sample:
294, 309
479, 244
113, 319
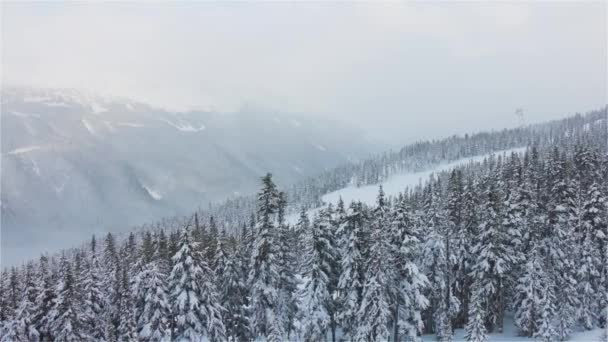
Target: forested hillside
523, 235
423, 155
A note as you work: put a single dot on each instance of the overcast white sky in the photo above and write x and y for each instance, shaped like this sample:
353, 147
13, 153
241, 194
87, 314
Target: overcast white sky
411, 70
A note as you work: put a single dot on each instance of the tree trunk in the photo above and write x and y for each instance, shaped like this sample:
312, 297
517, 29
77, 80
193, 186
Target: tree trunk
500, 307
396, 323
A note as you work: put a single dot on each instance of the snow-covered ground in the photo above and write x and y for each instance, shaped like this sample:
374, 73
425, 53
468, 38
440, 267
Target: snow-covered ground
88, 126
26, 149
510, 335
395, 184
153, 193
184, 126
399, 182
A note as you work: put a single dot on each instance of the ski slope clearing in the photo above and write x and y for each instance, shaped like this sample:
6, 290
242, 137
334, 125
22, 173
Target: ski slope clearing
399, 182
395, 184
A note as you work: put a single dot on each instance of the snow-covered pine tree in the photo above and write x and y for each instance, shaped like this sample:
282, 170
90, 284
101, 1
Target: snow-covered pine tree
408, 283
456, 238
264, 276
476, 323
126, 326
300, 230
529, 295
67, 320
5, 314
464, 239
374, 312
111, 279
153, 314
493, 247
438, 317
545, 323
23, 321
558, 236
209, 246
221, 258
233, 294
590, 236
94, 301
45, 299
352, 269
14, 285
287, 264
162, 251
603, 242
319, 261
196, 309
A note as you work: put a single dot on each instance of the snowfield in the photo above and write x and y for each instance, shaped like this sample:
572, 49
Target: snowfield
394, 185
22, 150
185, 127
399, 182
510, 335
153, 193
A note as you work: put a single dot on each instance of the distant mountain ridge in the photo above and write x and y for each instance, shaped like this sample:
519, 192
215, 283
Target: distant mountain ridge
74, 162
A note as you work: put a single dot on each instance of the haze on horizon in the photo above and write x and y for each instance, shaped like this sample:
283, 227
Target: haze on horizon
404, 71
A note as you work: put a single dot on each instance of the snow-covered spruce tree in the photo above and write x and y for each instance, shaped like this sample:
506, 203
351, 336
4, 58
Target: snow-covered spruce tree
545, 323
153, 312
162, 252
443, 303
264, 277
94, 301
299, 232
210, 242
111, 284
196, 309
590, 264
67, 323
603, 242
456, 237
13, 293
558, 236
25, 313
352, 269
493, 247
408, 283
530, 296
315, 297
374, 312
515, 218
221, 258
287, 264
476, 324
233, 294
45, 299
5, 315
127, 329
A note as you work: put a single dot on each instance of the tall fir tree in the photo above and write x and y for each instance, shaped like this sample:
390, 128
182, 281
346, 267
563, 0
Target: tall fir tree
67, 323
316, 295
196, 309
264, 276
352, 269
374, 314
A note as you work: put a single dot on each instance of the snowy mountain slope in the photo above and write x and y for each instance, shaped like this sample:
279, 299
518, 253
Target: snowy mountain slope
395, 184
399, 182
75, 163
